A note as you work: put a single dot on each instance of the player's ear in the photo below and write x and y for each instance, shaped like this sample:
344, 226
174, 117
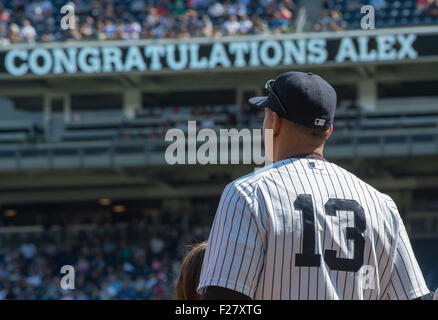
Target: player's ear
330, 131
276, 123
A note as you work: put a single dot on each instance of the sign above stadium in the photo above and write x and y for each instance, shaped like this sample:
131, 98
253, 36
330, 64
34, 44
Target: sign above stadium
101, 58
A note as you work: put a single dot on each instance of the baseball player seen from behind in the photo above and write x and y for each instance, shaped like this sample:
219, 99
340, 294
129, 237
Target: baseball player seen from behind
304, 228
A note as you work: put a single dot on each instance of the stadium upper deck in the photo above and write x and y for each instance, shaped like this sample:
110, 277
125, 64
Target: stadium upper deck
97, 97
39, 20
80, 103
345, 14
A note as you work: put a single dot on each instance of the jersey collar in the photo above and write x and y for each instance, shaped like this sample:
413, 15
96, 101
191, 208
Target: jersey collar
307, 156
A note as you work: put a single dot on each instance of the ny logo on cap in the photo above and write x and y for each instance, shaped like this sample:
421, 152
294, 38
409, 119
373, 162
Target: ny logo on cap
319, 122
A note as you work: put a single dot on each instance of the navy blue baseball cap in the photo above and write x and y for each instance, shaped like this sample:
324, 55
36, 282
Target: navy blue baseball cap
301, 97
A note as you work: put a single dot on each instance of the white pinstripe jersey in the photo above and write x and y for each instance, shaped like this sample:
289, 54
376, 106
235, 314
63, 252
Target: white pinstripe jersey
304, 228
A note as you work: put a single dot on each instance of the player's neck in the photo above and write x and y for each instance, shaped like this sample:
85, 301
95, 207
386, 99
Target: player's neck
281, 154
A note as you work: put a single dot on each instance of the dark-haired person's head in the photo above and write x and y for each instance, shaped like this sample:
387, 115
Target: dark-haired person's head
188, 277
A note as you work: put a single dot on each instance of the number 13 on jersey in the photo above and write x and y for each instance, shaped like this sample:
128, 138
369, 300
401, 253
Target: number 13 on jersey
308, 257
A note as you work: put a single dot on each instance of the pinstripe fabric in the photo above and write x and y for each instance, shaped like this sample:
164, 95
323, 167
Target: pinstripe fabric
258, 231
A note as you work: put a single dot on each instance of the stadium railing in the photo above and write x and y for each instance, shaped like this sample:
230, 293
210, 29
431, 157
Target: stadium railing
348, 144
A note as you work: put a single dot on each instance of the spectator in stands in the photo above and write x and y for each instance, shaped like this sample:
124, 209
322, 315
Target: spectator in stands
4, 15
378, 4
157, 245
87, 28
27, 32
28, 250
330, 21
206, 26
216, 10
179, 8
337, 23
33, 11
260, 26
327, 5
47, 37
433, 9
324, 21
86, 31
46, 6
353, 5
14, 33
109, 29
231, 26
423, 4
246, 24
132, 30
280, 22
137, 6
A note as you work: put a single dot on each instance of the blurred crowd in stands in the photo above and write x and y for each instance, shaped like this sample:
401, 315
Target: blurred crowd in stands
39, 20
136, 260
337, 15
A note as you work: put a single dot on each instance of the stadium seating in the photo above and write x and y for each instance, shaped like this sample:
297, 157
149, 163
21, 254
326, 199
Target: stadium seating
38, 20
153, 122
16, 132
114, 261
399, 126
123, 19
388, 13
149, 123
134, 260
